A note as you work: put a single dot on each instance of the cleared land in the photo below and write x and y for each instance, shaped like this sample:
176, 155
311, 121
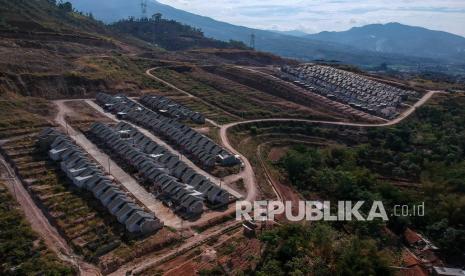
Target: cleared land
234, 98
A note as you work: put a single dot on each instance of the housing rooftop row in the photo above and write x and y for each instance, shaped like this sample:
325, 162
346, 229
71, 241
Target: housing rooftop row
357, 91
85, 174
179, 186
164, 105
196, 146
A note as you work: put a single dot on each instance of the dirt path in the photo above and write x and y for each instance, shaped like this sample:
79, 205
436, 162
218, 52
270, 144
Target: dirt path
149, 73
195, 241
41, 225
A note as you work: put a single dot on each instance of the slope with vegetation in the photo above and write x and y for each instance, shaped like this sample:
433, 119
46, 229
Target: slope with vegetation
22, 252
51, 50
421, 160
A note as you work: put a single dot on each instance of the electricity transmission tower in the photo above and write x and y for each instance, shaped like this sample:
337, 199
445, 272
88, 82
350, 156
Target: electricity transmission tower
143, 5
252, 41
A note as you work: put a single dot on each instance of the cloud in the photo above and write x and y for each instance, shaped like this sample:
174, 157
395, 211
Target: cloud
330, 15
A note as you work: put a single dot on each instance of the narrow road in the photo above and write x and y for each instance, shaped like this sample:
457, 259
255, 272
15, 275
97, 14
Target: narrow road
395, 121
42, 226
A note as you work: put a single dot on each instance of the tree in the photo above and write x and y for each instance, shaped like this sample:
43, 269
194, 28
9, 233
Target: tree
65, 7
361, 257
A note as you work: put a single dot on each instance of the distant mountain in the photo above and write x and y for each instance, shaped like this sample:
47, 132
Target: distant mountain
284, 45
401, 39
292, 32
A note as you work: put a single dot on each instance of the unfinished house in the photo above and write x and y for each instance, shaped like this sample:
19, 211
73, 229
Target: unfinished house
349, 88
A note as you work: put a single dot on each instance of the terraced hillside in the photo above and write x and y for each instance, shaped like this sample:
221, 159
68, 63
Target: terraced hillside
237, 99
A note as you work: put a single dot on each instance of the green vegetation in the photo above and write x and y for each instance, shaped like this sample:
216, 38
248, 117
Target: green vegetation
169, 34
46, 16
426, 152
21, 251
295, 249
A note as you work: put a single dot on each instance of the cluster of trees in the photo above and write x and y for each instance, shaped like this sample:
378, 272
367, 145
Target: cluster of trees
427, 150
63, 6
170, 34
295, 249
67, 7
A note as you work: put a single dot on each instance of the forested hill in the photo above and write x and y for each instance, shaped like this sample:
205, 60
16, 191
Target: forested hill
169, 34
47, 16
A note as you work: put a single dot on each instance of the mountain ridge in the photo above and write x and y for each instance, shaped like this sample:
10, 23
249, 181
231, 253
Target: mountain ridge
288, 46
268, 41
398, 38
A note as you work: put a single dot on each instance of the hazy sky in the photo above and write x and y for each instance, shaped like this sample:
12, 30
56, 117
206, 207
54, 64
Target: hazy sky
330, 15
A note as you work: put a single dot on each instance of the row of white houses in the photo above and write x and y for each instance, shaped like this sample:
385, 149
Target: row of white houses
196, 146
164, 105
169, 178
85, 174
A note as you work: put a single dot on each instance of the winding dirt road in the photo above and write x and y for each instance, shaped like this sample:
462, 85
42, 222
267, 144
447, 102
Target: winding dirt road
247, 173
